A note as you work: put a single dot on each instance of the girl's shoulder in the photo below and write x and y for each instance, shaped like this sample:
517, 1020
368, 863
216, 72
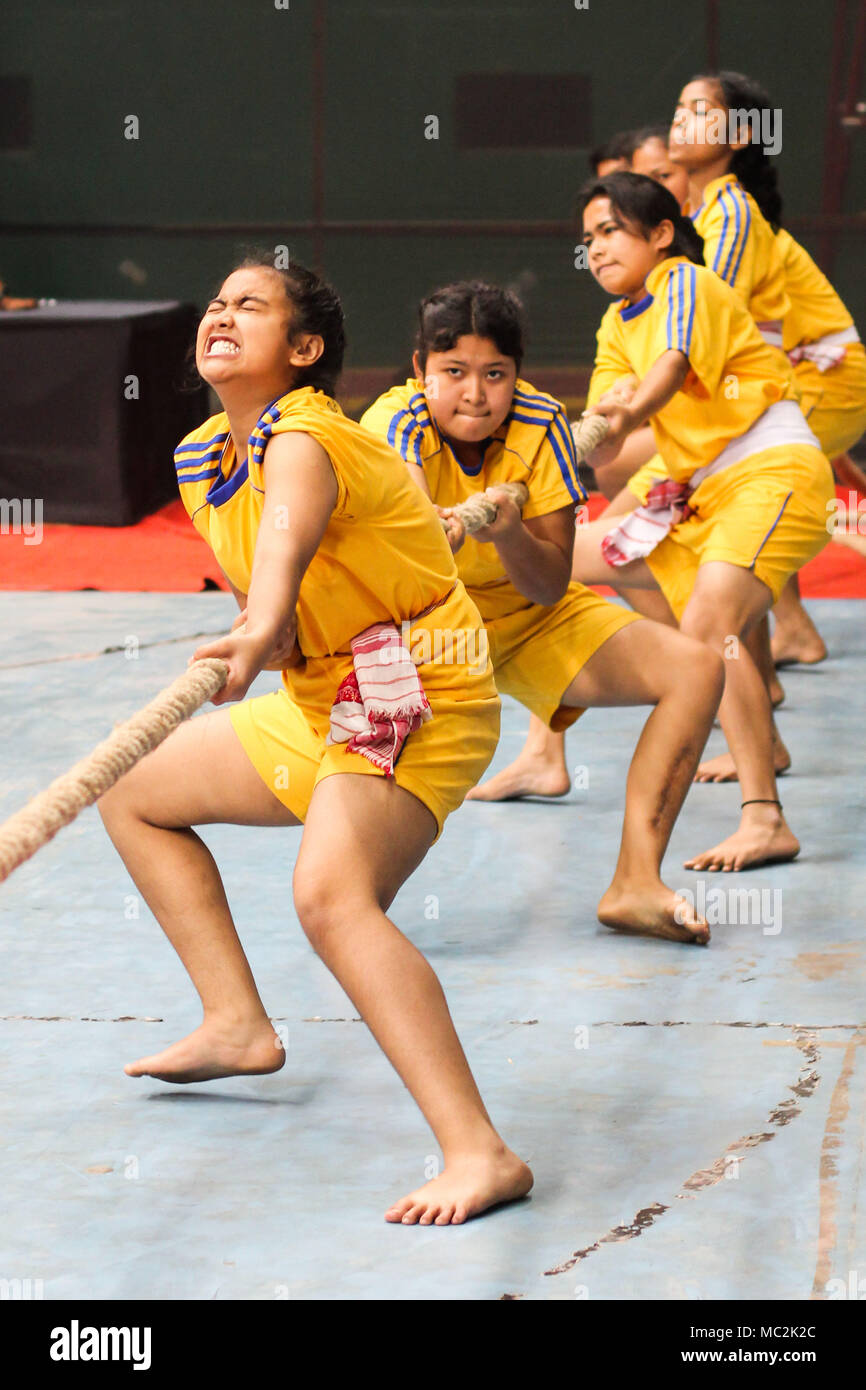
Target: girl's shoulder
531, 400
535, 419
197, 456
678, 273
399, 410
305, 400
728, 204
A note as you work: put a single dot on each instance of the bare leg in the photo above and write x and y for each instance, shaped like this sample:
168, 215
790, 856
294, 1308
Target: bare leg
648, 664
795, 637
722, 768
849, 474
725, 601
757, 640
589, 566
650, 604
200, 775
538, 770
620, 504
377, 833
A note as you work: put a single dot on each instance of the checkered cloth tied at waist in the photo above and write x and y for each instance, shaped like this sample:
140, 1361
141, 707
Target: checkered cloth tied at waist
381, 701
641, 531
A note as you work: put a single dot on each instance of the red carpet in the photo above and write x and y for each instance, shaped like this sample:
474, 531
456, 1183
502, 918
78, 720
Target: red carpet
165, 554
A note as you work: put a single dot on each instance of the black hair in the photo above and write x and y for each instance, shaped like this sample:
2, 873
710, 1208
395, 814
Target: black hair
639, 137
619, 146
316, 308
751, 166
643, 203
470, 307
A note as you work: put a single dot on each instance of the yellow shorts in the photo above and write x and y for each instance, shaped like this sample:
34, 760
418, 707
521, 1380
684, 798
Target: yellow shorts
834, 402
538, 651
768, 514
284, 733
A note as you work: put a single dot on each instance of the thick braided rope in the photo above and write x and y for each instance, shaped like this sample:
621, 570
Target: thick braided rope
478, 510
36, 823
588, 433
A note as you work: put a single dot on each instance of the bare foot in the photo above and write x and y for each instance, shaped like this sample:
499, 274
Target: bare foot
214, 1050
763, 837
776, 692
802, 645
526, 776
652, 910
468, 1186
722, 769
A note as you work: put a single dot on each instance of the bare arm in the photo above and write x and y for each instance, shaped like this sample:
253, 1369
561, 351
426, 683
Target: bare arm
455, 531
241, 598
662, 381
300, 495
535, 554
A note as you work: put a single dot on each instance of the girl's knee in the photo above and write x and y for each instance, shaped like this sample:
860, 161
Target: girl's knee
114, 803
696, 669
708, 624
710, 669
322, 904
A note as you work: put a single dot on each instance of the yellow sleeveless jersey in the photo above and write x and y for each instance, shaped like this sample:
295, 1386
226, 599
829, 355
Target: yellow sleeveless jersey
741, 247
734, 374
383, 555
533, 445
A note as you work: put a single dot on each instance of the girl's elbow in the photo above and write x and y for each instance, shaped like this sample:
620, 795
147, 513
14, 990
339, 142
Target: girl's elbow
555, 590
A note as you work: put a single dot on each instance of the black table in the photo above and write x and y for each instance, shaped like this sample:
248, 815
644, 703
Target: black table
92, 404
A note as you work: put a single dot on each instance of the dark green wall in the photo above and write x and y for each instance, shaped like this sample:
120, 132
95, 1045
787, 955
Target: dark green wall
223, 93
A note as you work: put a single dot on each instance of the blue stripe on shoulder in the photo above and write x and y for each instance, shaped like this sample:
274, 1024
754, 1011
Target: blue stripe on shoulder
541, 420
408, 436
565, 457
198, 477
196, 446
544, 403
193, 460
747, 224
720, 249
735, 198
693, 288
681, 328
397, 420
672, 292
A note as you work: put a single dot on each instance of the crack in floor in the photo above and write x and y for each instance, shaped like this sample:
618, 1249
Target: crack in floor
106, 651
723, 1023
805, 1085
521, 1022
69, 1018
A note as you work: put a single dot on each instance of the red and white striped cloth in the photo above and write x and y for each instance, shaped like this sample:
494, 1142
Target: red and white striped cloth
641, 530
826, 352
381, 701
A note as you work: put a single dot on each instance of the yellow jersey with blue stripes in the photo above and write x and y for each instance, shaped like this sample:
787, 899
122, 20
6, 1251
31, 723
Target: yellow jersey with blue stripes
741, 247
734, 375
383, 555
533, 445
816, 308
